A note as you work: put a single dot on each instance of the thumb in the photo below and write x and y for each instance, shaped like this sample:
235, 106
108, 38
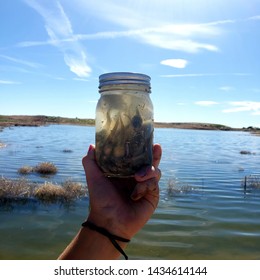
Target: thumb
93, 173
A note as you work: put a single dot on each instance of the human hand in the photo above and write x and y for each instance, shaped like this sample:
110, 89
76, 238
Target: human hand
122, 205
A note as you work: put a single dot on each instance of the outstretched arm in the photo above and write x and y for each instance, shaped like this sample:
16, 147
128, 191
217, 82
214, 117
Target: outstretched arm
122, 206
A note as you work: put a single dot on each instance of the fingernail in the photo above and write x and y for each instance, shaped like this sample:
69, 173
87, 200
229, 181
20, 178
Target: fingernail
142, 172
90, 148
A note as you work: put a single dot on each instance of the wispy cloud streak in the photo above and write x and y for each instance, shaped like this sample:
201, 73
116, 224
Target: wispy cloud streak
6, 82
244, 106
191, 75
226, 88
206, 103
20, 61
60, 32
181, 37
257, 17
154, 31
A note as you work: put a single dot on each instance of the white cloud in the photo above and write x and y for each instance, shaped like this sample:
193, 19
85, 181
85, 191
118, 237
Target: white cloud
203, 75
187, 75
176, 63
81, 79
226, 88
154, 30
206, 103
244, 106
177, 37
254, 18
77, 63
130, 22
6, 82
143, 27
172, 37
59, 29
181, 37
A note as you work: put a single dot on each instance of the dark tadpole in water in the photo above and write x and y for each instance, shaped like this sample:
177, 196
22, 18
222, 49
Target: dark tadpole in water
137, 120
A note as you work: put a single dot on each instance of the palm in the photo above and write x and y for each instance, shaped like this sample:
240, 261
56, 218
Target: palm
110, 199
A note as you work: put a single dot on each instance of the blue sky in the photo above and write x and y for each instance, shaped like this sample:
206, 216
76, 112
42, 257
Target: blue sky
202, 56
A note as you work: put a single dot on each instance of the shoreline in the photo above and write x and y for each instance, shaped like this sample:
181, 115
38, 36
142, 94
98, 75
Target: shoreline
41, 120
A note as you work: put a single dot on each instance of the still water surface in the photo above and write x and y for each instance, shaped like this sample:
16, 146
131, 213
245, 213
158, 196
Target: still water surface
209, 216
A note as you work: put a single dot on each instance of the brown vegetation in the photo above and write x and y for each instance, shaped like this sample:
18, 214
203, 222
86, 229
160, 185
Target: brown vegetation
12, 190
15, 188
24, 170
49, 192
15, 120
193, 125
2, 145
43, 168
252, 181
46, 168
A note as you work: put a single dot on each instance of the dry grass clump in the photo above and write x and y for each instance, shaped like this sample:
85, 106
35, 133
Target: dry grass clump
74, 189
46, 168
13, 190
49, 192
24, 170
2, 145
252, 181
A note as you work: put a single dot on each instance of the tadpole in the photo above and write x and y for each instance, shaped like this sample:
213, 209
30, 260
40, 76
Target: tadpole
137, 120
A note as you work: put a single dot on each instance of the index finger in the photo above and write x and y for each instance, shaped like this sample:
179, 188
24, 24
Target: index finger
157, 154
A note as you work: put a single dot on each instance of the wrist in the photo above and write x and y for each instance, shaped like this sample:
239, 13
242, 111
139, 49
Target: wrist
112, 226
114, 239
91, 245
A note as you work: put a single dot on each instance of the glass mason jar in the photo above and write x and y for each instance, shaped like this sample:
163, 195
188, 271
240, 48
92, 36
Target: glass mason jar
124, 123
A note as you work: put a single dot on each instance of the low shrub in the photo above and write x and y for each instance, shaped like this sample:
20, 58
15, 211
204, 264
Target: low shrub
15, 190
21, 188
74, 189
252, 181
50, 192
2, 145
46, 168
24, 170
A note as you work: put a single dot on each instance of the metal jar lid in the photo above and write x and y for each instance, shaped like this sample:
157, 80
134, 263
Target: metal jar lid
116, 78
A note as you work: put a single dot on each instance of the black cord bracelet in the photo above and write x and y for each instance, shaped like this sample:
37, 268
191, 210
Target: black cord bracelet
110, 236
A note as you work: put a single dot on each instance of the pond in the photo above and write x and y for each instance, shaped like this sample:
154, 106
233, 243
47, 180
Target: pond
205, 212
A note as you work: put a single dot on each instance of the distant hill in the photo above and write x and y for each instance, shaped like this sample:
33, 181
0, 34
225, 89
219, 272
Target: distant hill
194, 125
15, 120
